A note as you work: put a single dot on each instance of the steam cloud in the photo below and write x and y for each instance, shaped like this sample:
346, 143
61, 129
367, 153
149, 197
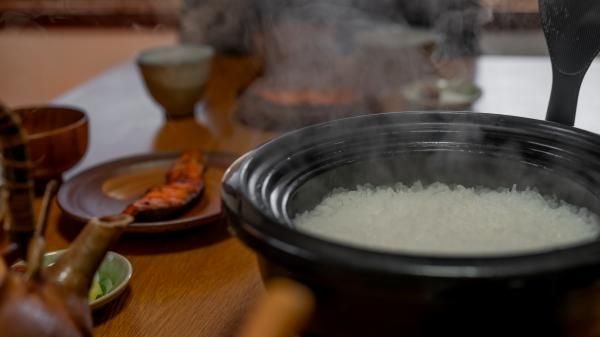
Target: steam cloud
367, 48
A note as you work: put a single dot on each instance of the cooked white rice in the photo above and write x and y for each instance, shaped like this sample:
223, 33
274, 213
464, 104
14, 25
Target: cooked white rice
439, 219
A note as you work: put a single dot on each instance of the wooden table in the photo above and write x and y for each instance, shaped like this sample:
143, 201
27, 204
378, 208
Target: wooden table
193, 283
200, 282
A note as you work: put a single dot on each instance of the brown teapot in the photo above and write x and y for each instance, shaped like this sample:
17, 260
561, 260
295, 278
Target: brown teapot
49, 301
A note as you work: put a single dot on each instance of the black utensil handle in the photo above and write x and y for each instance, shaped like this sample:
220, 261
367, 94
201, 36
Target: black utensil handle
563, 98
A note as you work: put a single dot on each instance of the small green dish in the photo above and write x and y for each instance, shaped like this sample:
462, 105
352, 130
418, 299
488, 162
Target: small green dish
441, 94
114, 267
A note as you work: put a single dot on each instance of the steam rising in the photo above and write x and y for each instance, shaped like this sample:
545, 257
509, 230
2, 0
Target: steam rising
360, 48
364, 47
336, 46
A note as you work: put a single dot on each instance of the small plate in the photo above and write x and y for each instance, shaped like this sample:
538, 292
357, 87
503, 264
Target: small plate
109, 187
441, 94
115, 267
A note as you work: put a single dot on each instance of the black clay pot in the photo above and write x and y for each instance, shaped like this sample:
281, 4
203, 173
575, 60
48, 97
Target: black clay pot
362, 292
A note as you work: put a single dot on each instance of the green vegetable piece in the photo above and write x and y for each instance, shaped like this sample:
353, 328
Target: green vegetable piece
95, 290
106, 284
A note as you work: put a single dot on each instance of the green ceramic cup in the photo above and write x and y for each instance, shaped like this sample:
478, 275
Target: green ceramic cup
175, 76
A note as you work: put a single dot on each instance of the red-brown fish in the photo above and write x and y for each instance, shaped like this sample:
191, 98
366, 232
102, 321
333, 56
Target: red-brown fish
183, 186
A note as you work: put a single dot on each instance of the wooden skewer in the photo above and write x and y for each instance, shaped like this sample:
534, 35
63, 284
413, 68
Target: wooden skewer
42, 222
2, 271
37, 245
282, 312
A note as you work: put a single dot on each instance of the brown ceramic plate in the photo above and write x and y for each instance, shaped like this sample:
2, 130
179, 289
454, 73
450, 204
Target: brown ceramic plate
109, 187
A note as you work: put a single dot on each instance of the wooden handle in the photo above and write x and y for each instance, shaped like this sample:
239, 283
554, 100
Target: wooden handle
3, 271
282, 312
16, 173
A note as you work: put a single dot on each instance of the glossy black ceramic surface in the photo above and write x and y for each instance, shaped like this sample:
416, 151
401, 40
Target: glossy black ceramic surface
364, 292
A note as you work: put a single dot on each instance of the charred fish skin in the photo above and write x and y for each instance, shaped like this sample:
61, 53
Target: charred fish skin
189, 167
184, 185
164, 202
19, 219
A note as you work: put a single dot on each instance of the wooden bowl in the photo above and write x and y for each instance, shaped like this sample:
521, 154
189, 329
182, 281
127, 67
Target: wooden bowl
57, 139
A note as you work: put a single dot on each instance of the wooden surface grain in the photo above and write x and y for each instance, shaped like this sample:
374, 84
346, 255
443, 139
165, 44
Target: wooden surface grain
201, 282
197, 282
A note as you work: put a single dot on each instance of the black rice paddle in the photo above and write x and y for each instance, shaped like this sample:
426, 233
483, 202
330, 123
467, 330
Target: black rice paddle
572, 30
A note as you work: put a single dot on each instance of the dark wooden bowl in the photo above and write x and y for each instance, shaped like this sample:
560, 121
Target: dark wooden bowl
57, 139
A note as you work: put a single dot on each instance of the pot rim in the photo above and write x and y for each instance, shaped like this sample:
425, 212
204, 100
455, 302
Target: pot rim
277, 241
